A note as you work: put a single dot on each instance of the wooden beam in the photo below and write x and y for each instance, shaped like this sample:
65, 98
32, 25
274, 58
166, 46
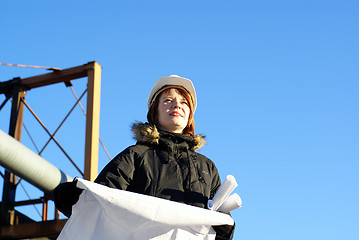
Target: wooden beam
92, 121
32, 230
56, 77
17, 113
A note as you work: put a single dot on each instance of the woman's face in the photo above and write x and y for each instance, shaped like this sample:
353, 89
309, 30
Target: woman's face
173, 111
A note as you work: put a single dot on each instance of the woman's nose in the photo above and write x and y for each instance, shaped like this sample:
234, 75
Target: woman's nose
176, 103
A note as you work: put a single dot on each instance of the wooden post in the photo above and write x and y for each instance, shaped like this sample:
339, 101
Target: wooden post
45, 208
92, 121
10, 179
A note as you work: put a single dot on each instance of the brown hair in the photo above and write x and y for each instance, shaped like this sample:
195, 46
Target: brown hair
152, 115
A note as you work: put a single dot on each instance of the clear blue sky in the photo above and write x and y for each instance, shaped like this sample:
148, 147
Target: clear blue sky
277, 84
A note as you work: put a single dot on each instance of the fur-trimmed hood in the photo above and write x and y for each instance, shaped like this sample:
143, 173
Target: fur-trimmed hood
148, 133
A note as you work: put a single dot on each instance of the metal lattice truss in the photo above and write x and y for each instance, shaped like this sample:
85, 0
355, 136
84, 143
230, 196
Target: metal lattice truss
15, 89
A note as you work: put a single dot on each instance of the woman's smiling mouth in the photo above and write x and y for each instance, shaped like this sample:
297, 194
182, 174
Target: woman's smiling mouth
176, 114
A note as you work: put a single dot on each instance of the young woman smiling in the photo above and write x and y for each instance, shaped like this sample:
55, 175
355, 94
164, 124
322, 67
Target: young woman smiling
164, 162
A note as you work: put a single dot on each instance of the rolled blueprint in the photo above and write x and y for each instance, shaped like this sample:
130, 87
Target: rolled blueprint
223, 192
119, 214
231, 203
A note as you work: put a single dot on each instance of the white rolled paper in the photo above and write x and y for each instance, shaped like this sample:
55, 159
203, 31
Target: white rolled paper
231, 203
119, 214
223, 192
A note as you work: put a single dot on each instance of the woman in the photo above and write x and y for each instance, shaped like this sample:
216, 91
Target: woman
163, 163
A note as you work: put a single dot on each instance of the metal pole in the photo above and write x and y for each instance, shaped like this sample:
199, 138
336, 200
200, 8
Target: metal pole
28, 165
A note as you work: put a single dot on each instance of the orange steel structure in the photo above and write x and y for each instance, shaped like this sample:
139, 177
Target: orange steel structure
11, 227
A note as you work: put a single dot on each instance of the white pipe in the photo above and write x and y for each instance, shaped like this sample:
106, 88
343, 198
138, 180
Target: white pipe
28, 165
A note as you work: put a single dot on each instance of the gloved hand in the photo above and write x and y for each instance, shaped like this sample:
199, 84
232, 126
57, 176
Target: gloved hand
224, 232
65, 196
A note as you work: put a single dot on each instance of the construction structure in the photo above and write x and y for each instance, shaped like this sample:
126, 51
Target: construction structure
20, 161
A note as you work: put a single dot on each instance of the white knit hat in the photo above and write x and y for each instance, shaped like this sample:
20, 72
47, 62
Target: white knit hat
173, 81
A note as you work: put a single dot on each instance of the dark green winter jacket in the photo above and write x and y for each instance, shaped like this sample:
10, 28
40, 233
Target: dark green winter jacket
165, 165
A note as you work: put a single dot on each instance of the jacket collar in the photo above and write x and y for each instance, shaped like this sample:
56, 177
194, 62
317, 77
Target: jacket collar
148, 133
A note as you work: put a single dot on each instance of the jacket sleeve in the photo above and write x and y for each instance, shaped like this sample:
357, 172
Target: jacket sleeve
118, 173
65, 196
223, 232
